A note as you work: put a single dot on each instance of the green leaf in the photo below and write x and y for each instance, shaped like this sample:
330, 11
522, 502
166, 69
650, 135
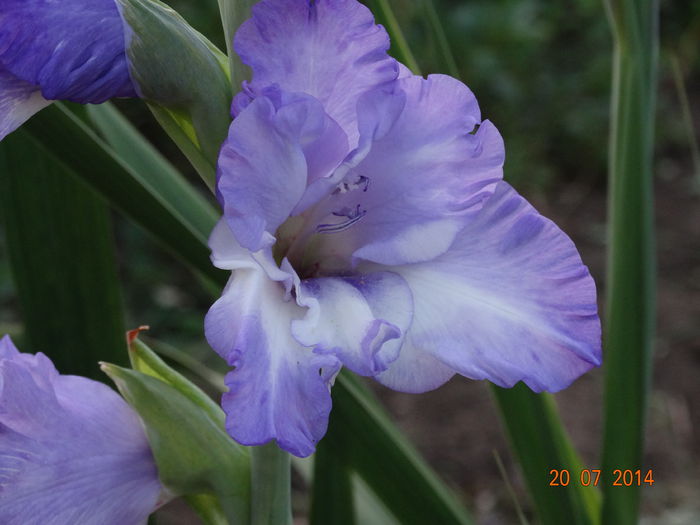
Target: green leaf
332, 486
193, 453
631, 258
541, 444
61, 252
179, 70
369, 510
365, 439
155, 171
181, 228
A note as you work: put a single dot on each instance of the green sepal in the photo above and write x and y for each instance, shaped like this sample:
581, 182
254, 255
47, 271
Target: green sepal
146, 361
176, 68
193, 453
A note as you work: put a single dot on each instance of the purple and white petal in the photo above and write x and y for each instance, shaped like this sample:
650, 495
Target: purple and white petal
361, 319
278, 389
276, 147
72, 50
19, 101
72, 450
424, 167
330, 49
510, 301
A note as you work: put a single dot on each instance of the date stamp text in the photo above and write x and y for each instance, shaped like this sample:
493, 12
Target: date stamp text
592, 477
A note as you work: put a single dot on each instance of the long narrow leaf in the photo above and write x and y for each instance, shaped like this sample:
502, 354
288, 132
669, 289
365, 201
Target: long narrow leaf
61, 251
136, 194
631, 264
332, 486
541, 444
378, 452
155, 171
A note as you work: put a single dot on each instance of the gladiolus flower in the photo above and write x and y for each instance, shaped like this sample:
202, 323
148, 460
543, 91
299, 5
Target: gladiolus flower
71, 449
367, 225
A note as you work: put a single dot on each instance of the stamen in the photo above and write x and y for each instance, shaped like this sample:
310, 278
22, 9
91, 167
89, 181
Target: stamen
362, 182
352, 215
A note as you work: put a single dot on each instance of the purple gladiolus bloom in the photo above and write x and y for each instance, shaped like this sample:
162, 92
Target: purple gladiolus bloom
68, 50
367, 225
71, 450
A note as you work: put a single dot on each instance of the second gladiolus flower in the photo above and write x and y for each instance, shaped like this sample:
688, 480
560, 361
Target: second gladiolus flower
71, 449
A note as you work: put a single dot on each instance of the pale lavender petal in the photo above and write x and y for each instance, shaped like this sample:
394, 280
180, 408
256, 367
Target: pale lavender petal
276, 147
72, 49
424, 164
510, 301
361, 320
7, 348
330, 49
279, 389
19, 101
71, 450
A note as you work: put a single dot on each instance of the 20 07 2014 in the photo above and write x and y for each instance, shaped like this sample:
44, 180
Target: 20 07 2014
592, 477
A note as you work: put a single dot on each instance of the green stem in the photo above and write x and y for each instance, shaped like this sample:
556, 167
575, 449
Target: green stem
271, 486
439, 34
402, 51
631, 264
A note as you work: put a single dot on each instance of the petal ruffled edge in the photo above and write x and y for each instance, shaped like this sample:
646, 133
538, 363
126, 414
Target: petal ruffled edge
361, 319
330, 49
279, 389
510, 301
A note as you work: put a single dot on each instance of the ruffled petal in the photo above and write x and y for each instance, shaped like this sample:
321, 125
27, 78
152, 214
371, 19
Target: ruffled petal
361, 320
330, 49
510, 301
424, 164
279, 389
72, 450
72, 49
19, 101
276, 147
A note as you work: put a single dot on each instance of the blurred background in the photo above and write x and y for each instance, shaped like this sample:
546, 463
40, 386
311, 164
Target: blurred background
541, 72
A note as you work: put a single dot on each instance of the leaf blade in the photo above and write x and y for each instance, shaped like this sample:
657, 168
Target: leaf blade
62, 255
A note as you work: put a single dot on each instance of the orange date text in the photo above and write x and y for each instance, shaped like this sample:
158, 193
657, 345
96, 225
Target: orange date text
592, 477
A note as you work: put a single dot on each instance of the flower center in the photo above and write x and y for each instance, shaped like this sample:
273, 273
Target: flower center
304, 239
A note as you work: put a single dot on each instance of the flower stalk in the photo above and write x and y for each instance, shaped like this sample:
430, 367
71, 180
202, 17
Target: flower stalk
271, 502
